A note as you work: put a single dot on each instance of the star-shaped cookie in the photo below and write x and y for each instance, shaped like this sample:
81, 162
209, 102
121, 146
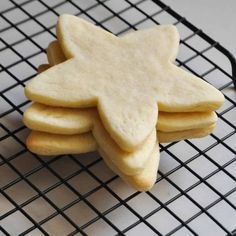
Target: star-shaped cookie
126, 78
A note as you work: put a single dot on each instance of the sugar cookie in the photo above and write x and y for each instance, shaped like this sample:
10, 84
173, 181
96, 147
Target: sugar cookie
180, 121
167, 137
48, 144
60, 120
37, 141
55, 144
114, 75
145, 179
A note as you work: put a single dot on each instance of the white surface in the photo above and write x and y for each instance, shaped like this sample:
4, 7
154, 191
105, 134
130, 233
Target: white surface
216, 18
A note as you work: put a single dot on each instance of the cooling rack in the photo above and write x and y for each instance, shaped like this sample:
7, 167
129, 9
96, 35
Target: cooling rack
195, 192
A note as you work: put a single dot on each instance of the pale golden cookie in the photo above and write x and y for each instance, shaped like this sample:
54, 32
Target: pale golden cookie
115, 75
60, 120
129, 163
53, 144
167, 121
37, 141
145, 179
167, 137
180, 121
40, 143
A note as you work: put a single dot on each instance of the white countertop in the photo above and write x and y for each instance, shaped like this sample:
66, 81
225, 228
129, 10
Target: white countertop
217, 18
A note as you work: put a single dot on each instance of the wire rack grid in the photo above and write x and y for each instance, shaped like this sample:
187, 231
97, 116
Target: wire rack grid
195, 192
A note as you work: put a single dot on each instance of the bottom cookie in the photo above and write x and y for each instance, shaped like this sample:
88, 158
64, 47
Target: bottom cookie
53, 144
146, 178
48, 144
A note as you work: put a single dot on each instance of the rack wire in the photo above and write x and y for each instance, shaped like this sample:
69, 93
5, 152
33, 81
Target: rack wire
195, 192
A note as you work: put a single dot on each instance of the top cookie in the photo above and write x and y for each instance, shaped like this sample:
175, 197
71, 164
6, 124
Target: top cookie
124, 77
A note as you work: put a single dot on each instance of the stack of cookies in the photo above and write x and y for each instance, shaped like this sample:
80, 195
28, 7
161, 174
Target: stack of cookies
120, 96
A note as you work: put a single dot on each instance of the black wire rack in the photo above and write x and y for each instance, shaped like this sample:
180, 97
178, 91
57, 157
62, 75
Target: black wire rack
195, 192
